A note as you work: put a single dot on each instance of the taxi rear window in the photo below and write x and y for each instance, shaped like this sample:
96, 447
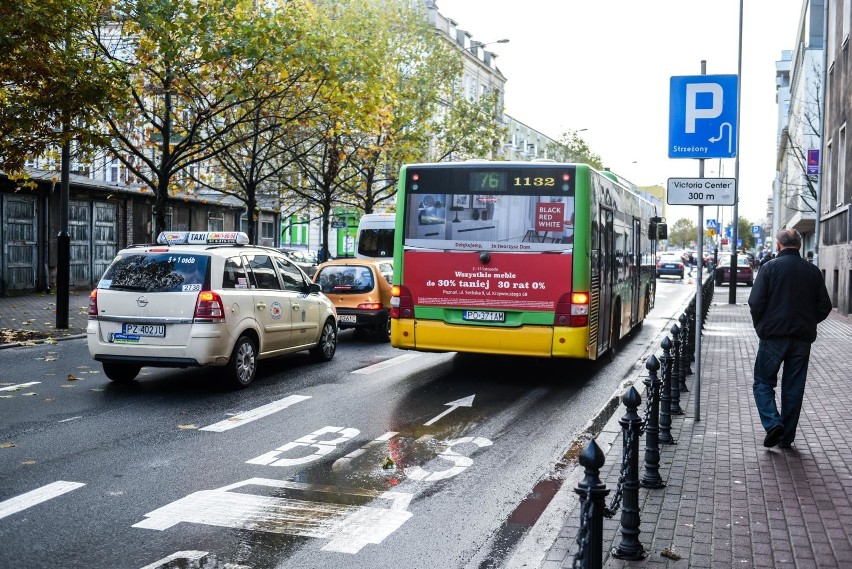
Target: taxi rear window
157, 272
346, 279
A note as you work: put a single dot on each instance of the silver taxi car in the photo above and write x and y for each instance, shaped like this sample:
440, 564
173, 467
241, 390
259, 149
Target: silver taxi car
205, 299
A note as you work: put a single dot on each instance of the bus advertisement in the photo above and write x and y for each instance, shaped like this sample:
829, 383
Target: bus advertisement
520, 258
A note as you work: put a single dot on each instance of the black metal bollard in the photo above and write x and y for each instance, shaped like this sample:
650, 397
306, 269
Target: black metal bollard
631, 426
592, 494
676, 371
651, 478
685, 356
666, 394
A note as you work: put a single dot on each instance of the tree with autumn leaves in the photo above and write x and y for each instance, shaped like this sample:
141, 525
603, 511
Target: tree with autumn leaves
313, 104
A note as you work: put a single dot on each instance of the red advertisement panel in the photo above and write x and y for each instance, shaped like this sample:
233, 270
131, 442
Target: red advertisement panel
549, 216
508, 281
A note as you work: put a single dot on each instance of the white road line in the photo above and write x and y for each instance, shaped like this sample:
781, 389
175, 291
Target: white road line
189, 555
19, 386
37, 496
254, 414
386, 364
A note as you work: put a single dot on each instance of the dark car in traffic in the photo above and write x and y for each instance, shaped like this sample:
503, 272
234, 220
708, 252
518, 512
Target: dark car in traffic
745, 273
670, 265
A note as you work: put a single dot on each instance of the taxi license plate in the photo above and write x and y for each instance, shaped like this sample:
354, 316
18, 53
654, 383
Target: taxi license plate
484, 316
348, 318
155, 330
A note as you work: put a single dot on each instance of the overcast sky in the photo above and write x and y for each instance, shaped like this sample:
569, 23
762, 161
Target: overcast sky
605, 65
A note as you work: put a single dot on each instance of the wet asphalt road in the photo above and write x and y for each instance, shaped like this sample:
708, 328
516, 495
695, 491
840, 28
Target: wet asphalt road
378, 458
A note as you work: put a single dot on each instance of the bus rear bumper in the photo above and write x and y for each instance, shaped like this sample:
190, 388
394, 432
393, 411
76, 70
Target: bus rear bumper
537, 341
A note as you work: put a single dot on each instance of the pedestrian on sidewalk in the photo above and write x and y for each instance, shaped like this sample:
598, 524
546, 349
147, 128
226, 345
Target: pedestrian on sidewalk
787, 302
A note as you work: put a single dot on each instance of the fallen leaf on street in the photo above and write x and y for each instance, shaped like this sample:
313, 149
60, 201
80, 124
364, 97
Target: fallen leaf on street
50, 358
6, 396
51, 341
187, 427
7, 444
28, 394
72, 377
27, 462
669, 554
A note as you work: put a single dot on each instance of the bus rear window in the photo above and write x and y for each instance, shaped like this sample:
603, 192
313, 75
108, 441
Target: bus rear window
157, 272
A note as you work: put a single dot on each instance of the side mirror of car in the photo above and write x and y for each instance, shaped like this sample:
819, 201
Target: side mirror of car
314, 288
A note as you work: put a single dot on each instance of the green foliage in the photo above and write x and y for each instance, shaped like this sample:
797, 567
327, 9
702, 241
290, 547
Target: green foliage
573, 148
682, 233
50, 84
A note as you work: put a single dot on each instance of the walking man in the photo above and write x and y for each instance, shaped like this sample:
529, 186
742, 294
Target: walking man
787, 302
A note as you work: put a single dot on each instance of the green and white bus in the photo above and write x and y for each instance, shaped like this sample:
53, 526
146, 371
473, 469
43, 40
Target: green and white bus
520, 258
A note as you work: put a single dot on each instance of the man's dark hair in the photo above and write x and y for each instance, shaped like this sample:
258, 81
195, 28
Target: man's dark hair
789, 238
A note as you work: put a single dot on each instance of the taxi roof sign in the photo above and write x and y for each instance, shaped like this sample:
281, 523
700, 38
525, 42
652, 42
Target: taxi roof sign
202, 237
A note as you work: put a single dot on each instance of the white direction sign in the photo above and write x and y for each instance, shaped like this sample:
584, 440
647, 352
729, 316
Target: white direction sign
701, 191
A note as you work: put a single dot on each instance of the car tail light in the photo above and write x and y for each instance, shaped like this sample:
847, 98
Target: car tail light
93, 304
208, 307
402, 303
579, 309
572, 310
370, 306
660, 265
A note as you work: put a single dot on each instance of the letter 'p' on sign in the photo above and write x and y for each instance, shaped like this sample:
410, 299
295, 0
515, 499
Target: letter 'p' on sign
703, 116
693, 111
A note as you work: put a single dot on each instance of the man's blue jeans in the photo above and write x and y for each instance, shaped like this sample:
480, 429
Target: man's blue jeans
771, 353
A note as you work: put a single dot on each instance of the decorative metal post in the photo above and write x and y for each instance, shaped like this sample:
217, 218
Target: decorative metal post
651, 478
631, 426
676, 371
592, 494
666, 394
685, 330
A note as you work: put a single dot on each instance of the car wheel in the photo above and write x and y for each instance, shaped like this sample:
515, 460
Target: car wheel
383, 331
327, 345
242, 366
121, 373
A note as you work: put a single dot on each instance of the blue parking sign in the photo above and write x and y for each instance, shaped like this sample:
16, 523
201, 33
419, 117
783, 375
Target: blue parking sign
703, 116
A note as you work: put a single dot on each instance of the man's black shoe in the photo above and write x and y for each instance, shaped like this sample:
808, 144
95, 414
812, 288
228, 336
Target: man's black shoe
773, 435
785, 445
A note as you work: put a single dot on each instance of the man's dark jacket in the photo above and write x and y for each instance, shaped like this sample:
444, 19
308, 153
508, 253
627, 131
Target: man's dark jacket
789, 298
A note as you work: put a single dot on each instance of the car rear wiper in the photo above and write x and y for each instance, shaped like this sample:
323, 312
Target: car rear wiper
135, 288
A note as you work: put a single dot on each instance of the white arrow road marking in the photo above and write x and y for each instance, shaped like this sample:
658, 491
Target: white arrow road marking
188, 555
37, 496
348, 527
249, 416
466, 402
386, 364
19, 386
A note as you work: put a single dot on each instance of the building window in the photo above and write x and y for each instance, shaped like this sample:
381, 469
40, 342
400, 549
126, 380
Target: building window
244, 223
215, 221
267, 230
829, 183
841, 165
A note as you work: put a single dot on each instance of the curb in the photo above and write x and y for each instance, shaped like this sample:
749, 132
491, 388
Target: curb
603, 427
31, 343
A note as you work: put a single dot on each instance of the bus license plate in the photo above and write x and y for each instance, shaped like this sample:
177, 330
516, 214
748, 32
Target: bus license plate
155, 330
484, 316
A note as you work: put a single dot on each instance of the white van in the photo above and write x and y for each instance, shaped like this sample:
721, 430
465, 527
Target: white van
375, 236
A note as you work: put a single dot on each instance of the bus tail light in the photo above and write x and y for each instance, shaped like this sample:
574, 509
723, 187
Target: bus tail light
573, 310
402, 303
93, 304
209, 308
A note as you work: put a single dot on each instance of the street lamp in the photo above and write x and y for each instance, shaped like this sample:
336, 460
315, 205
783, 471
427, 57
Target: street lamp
476, 44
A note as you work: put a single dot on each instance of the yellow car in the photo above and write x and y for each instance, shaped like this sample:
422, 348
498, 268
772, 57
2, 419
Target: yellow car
361, 292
